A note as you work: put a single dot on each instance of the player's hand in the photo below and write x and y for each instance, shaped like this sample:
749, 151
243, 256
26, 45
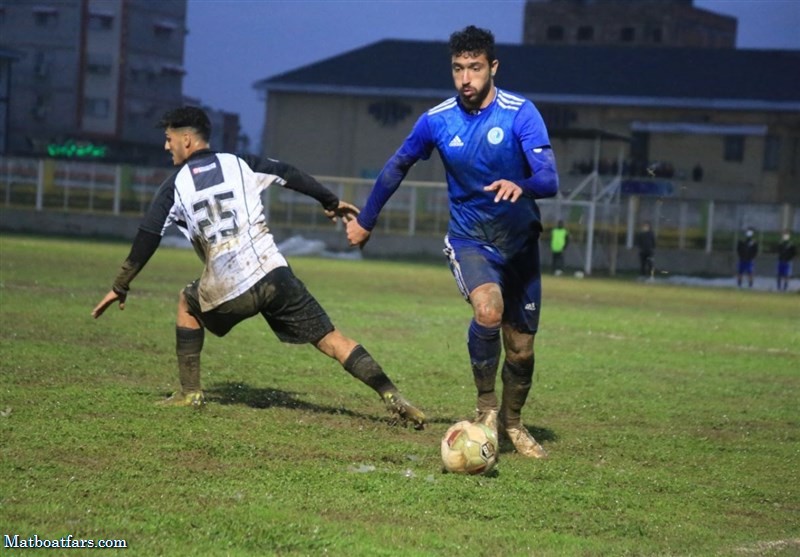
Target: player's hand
345, 211
109, 299
356, 234
506, 190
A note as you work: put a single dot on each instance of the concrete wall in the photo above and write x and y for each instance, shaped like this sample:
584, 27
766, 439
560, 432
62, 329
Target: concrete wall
389, 246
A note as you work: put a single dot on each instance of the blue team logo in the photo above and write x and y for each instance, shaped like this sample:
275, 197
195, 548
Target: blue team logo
495, 135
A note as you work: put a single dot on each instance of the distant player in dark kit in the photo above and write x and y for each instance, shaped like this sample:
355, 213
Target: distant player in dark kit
215, 200
645, 240
786, 253
746, 250
497, 156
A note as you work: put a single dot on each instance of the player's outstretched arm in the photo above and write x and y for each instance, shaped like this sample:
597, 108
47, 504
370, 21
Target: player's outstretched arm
107, 301
345, 211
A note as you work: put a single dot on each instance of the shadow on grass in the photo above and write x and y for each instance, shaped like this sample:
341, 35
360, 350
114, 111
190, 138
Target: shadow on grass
254, 397
241, 393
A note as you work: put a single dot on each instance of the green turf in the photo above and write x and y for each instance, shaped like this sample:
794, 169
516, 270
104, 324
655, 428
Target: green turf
671, 415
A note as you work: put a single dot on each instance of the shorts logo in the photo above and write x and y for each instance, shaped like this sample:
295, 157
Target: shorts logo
530, 307
495, 135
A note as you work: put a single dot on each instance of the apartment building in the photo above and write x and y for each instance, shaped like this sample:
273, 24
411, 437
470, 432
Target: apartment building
632, 23
93, 76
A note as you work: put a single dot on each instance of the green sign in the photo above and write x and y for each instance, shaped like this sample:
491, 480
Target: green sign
73, 150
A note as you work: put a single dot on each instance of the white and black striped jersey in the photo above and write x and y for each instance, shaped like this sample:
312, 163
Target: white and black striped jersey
215, 200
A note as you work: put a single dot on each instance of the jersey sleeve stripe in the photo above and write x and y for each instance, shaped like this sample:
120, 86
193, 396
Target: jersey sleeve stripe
446, 105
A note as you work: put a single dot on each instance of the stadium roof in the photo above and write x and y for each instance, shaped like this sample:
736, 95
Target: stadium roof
603, 75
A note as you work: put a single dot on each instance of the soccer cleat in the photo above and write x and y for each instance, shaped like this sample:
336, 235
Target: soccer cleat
402, 410
487, 418
524, 442
194, 399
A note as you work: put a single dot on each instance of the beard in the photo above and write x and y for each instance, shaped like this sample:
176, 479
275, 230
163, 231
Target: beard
474, 98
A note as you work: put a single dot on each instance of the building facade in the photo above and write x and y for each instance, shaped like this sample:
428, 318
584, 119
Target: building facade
709, 134
94, 77
7, 58
652, 23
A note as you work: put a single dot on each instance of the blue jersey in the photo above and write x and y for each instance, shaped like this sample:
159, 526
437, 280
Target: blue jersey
503, 141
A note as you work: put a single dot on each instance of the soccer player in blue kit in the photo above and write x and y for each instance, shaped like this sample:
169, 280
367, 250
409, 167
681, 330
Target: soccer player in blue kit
498, 160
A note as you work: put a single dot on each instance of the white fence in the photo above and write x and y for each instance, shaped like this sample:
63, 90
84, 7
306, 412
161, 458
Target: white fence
602, 220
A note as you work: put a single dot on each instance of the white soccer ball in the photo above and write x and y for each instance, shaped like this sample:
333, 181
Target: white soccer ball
469, 448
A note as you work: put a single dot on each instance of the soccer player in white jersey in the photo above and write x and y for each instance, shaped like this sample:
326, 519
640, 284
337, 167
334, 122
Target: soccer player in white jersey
498, 161
215, 200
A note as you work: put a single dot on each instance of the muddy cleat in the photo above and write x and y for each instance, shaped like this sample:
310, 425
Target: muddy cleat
524, 442
195, 399
487, 418
403, 411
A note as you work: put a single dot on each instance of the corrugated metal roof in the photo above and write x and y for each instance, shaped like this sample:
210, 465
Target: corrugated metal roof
688, 77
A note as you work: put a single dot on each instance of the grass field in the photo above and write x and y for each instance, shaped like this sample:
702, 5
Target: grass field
671, 416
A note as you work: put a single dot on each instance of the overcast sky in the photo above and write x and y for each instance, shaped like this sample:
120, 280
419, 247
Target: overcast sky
234, 43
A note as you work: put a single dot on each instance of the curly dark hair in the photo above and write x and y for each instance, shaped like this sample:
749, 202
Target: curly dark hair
187, 117
473, 41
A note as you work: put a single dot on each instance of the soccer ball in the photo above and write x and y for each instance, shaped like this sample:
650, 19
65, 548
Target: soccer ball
469, 448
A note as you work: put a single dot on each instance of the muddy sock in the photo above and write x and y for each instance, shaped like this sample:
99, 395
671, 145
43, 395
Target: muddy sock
360, 365
483, 344
517, 379
188, 345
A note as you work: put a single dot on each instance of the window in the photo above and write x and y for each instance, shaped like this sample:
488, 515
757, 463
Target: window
164, 29
772, 152
656, 36
555, 33
627, 35
40, 108
389, 112
585, 33
41, 64
45, 17
557, 116
97, 108
101, 22
734, 148
98, 64
172, 69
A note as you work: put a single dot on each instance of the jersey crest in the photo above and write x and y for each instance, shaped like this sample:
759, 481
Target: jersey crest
495, 135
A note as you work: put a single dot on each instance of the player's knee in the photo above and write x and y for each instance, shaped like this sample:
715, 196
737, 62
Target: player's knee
519, 349
487, 305
523, 358
488, 318
488, 313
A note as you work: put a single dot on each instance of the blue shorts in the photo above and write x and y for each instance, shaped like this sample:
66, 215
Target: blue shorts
746, 267
520, 279
784, 268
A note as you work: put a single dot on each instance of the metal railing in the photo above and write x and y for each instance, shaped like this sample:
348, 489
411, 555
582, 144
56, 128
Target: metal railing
417, 209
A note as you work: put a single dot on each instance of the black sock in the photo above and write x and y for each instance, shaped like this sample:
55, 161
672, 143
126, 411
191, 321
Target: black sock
517, 381
188, 345
360, 365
